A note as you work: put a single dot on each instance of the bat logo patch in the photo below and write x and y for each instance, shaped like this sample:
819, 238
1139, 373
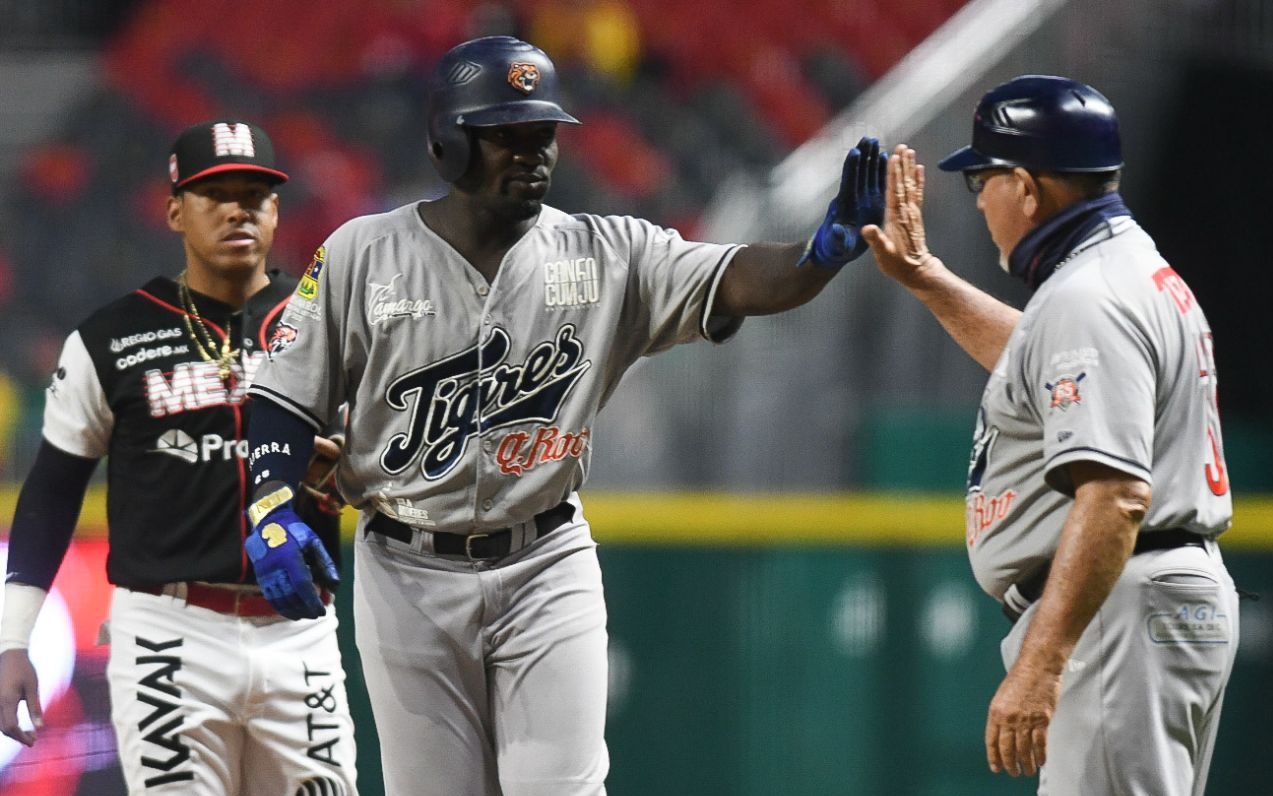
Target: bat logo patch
1065, 392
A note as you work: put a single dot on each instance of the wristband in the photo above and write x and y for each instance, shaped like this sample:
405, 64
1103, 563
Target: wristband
273, 494
22, 603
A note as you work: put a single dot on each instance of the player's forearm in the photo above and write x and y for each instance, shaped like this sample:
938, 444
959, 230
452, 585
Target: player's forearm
980, 323
279, 445
22, 603
47, 512
763, 279
1098, 536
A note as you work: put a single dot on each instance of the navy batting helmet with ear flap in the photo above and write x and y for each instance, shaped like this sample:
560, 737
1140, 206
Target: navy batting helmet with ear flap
1041, 122
487, 82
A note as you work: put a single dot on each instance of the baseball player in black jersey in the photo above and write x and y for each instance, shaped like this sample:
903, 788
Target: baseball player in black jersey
212, 692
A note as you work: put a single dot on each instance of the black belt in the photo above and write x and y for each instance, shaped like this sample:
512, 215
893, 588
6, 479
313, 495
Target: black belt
1030, 588
476, 546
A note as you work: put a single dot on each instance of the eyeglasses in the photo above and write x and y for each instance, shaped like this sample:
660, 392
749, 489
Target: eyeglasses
976, 180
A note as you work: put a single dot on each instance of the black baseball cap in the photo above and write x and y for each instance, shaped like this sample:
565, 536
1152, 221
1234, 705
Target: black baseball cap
219, 146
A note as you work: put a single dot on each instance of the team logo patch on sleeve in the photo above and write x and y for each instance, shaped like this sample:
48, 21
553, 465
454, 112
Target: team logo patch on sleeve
1065, 392
281, 339
308, 288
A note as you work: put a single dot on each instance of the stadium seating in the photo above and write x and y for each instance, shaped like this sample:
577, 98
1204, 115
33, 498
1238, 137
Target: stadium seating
671, 110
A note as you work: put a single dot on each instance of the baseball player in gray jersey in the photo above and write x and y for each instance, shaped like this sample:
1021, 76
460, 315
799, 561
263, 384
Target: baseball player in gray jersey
1097, 483
475, 338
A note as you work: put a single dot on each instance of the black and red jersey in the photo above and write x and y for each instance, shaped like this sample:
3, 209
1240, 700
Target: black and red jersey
132, 385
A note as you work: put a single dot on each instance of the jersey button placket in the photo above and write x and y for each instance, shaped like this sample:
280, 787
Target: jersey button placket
485, 505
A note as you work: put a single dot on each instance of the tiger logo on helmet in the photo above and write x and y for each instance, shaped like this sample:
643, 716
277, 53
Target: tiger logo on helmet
523, 76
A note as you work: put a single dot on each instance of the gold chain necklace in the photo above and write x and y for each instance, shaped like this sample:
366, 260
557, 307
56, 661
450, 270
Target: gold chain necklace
206, 345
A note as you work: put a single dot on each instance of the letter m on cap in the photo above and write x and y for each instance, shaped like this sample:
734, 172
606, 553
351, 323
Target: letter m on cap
232, 139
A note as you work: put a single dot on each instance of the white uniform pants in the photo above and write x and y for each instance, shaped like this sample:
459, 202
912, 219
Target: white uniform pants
210, 704
486, 680
1141, 696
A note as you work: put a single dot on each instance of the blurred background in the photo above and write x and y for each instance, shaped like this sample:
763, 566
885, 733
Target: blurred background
781, 517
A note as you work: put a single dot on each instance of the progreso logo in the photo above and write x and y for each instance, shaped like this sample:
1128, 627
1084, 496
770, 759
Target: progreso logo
209, 447
442, 400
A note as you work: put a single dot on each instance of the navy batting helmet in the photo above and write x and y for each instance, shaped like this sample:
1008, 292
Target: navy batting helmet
487, 82
1041, 122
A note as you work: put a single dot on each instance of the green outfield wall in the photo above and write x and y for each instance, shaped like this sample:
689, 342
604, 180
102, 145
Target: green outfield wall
820, 644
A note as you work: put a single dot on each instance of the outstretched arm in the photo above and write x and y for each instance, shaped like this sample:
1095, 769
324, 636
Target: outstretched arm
765, 278
980, 323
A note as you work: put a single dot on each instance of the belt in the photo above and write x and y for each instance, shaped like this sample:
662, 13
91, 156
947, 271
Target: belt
483, 546
222, 598
1022, 594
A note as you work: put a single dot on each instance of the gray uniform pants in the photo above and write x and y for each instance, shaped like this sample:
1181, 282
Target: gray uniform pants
1141, 696
486, 679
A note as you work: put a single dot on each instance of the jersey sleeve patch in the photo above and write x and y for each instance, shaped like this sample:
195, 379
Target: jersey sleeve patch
1065, 392
308, 287
281, 339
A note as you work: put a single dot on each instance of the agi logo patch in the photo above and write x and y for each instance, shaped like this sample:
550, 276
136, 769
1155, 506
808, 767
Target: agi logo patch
1065, 392
308, 288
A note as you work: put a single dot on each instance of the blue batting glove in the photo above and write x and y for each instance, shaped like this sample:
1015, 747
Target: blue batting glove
288, 556
860, 202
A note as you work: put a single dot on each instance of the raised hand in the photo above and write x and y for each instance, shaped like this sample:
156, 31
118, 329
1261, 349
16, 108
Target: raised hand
859, 202
899, 244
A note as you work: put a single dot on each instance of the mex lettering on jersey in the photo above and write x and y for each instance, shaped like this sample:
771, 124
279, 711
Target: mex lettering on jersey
197, 385
449, 402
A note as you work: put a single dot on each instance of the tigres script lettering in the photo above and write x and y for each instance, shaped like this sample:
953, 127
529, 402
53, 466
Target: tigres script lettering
162, 725
454, 399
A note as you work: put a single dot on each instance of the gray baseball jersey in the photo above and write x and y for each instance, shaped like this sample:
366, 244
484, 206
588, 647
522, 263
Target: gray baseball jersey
1111, 362
472, 405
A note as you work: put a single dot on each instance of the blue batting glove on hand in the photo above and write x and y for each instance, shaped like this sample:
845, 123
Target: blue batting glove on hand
860, 202
288, 556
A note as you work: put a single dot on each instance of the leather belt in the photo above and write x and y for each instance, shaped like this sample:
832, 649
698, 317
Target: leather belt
1022, 594
222, 598
483, 546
